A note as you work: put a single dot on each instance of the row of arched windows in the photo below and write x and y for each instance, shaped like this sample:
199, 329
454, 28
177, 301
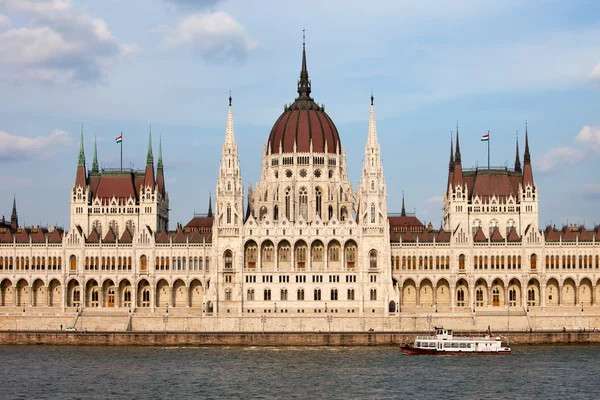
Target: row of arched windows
108, 263
317, 295
182, 263
421, 262
571, 261
35, 263
501, 262
317, 254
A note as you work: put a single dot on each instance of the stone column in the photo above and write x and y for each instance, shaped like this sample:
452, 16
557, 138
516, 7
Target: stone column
489, 296
47, 296
576, 289
559, 295
472, 297
452, 297
418, 296
65, 293
543, 295
153, 297
524, 294
593, 295
134, 296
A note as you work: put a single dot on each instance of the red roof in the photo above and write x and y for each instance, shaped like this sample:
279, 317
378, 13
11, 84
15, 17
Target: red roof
126, 237
110, 236
404, 223
120, 186
443, 236
496, 236
94, 237
513, 236
201, 222
303, 122
480, 236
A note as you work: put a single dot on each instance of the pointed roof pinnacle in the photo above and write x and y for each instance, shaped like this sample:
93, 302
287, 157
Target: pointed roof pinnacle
210, 213
527, 156
304, 82
229, 130
457, 157
95, 162
403, 214
372, 98
14, 210
150, 157
159, 166
372, 137
451, 163
517, 158
81, 161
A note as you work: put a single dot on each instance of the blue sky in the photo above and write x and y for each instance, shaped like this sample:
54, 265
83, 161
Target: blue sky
119, 66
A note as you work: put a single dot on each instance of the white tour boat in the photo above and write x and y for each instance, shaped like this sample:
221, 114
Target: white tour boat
445, 343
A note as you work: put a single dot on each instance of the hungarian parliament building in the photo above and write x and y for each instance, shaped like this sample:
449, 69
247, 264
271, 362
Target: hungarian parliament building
304, 241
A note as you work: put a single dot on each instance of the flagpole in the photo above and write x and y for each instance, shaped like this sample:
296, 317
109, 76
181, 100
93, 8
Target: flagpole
122, 151
488, 150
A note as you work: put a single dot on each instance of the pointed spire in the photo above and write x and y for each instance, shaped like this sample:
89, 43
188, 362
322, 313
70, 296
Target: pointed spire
230, 130
14, 219
159, 166
527, 156
304, 82
210, 212
95, 162
403, 214
457, 157
81, 161
372, 137
150, 157
517, 158
451, 163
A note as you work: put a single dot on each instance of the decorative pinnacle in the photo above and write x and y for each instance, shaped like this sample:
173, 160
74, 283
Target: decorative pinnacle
81, 161
95, 162
304, 82
527, 156
457, 156
150, 157
159, 166
230, 98
372, 98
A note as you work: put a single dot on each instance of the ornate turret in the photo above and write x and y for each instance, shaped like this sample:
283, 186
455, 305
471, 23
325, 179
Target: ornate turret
517, 158
527, 172
149, 176
95, 162
403, 213
304, 82
458, 175
14, 218
80, 179
160, 178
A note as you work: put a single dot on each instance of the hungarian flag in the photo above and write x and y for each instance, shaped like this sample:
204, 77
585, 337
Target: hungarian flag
485, 137
119, 139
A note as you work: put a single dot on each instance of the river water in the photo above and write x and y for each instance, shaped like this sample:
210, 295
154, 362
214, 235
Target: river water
71, 372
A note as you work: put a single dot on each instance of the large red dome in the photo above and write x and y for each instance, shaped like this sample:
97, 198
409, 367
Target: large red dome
302, 122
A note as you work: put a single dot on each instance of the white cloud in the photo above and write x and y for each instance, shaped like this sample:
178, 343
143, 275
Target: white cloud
558, 156
188, 4
589, 135
4, 20
16, 148
435, 200
15, 182
215, 36
595, 74
58, 44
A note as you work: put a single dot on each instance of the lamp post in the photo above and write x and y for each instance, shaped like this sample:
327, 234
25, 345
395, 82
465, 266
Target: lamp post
329, 319
263, 320
429, 318
275, 308
582, 306
325, 307
508, 323
436, 307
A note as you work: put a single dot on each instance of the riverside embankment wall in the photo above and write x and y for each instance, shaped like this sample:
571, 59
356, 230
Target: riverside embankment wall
266, 339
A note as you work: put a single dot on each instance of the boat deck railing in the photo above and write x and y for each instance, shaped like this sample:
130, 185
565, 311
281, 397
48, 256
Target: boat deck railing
464, 338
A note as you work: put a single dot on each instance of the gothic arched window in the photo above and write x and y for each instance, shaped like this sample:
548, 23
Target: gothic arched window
319, 196
228, 213
372, 213
287, 203
304, 203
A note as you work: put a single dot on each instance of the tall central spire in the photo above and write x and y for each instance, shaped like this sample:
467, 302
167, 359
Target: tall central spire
304, 82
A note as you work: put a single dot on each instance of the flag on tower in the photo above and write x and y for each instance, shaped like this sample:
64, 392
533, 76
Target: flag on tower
119, 139
485, 137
